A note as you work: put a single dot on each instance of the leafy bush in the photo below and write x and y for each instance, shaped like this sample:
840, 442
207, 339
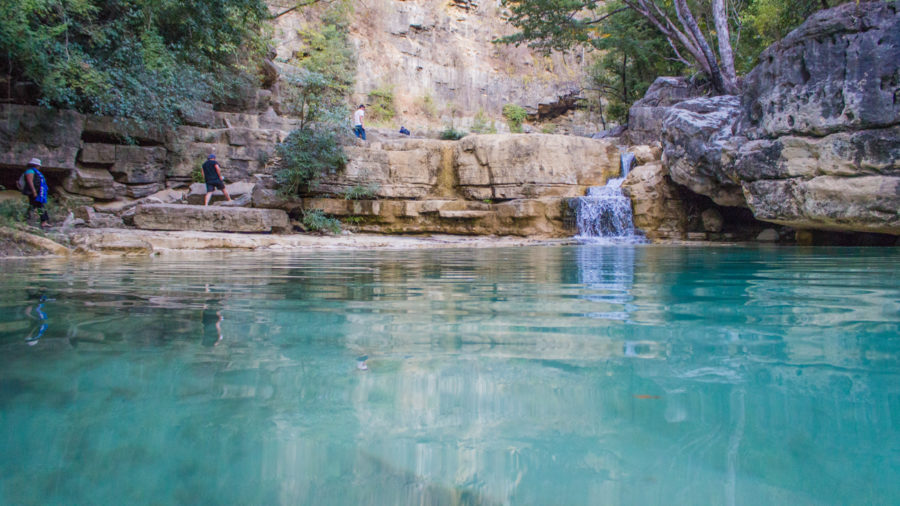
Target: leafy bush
452, 134
381, 104
149, 61
316, 83
427, 105
515, 115
480, 124
197, 174
13, 211
359, 192
315, 220
307, 154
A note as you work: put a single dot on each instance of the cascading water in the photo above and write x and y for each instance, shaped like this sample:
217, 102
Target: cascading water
605, 213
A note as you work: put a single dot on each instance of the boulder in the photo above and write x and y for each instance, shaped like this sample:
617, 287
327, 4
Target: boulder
253, 137
142, 190
93, 219
712, 220
139, 165
658, 207
96, 183
838, 71
644, 154
767, 235
699, 143
210, 218
645, 118
197, 192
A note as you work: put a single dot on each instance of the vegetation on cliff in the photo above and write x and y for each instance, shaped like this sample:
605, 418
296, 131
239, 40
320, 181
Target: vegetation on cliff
643, 39
316, 82
148, 60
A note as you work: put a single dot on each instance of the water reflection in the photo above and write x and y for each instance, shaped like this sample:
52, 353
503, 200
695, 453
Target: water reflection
584, 375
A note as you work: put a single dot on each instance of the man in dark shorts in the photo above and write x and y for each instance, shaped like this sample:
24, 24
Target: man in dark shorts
214, 180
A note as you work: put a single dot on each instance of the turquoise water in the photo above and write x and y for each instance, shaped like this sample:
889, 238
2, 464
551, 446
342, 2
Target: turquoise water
544, 375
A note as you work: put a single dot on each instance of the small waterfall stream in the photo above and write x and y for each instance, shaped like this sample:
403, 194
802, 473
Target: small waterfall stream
605, 213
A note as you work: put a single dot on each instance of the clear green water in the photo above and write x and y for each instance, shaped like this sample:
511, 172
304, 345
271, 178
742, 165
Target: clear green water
555, 375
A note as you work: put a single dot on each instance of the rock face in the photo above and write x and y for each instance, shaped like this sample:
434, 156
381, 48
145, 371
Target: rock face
480, 167
107, 159
439, 56
508, 184
210, 218
546, 217
51, 135
814, 142
646, 116
698, 142
528, 166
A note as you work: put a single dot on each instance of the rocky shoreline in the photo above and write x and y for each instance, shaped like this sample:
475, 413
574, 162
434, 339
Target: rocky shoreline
15, 243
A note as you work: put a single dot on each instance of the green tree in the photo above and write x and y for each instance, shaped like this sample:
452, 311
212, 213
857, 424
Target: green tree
144, 59
765, 22
682, 29
633, 55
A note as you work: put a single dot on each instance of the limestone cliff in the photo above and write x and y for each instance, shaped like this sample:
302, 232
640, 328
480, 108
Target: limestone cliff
444, 69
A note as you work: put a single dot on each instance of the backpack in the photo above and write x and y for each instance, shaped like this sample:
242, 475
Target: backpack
20, 184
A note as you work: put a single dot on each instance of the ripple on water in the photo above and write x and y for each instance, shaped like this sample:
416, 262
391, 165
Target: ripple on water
572, 375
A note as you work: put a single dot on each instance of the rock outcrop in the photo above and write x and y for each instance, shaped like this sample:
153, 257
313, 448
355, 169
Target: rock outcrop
814, 142
106, 159
528, 166
210, 218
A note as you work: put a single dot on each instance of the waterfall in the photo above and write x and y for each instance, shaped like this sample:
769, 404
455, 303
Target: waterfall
605, 213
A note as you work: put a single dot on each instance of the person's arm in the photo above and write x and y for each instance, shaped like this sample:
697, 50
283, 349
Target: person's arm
29, 180
219, 172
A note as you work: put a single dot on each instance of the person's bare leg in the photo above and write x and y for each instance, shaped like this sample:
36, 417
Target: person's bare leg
227, 196
206, 198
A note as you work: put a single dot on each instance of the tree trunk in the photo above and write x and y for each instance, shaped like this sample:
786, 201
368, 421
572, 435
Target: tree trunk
720, 16
719, 82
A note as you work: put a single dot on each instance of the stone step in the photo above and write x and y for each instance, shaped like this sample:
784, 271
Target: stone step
210, 218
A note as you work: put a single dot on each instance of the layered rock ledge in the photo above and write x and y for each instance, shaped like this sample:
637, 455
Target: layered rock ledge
210, 218
814, 141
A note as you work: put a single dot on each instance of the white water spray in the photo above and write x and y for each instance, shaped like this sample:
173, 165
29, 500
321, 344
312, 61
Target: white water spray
605, 213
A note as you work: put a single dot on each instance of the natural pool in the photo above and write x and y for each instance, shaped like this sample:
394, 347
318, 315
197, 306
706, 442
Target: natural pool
541, 375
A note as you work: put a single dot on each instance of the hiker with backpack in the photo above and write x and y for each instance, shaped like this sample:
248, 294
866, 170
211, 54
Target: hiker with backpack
212, 174
33, 184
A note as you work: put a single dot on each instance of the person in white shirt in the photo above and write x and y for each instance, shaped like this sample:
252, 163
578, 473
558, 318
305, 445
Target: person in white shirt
358, 122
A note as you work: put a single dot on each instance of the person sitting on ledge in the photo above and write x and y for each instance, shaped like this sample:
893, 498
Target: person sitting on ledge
403, 130
214, 180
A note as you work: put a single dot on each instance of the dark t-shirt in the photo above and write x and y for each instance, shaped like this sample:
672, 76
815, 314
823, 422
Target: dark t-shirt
209, 172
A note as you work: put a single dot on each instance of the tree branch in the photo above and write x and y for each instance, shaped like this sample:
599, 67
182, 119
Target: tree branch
603, 17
